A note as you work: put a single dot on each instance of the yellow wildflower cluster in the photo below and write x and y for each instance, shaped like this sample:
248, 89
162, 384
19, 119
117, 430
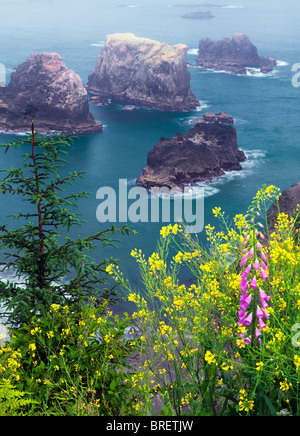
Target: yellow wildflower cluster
156, 264
226, 366
245, 403
137, 254
285, 253
285, 385
12, 363
186, 400
109, 269
187, 256
205, 315
161, 347
210, 358
259, 366
267, 193
284, 222
167, 230
35, 331
54, 307
216, 211
297, 362
240, 221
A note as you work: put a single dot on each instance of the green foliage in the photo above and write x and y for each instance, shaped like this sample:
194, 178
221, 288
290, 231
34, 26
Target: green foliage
296, 216
12, 401
73, 363
67, 353
34, 251
65, 346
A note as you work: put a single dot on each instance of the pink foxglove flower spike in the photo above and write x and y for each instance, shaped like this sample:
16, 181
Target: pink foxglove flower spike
251, 315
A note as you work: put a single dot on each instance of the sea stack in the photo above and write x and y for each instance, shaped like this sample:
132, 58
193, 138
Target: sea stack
143, 72
232, 55
44, 90
206, 151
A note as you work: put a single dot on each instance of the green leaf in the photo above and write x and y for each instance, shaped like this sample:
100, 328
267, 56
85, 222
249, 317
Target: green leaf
113, 385
270, 405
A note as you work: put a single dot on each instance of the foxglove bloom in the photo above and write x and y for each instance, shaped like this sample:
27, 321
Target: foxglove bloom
263, 274
253, 283
256, 265
252, 316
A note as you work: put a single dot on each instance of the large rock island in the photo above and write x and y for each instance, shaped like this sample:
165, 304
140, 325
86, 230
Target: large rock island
232, 55
204, 152
44, 90
143, 72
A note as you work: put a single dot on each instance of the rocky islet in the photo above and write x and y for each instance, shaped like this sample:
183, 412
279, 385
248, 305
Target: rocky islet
234, 55
44, 90
199, 15
206, 151
143, 72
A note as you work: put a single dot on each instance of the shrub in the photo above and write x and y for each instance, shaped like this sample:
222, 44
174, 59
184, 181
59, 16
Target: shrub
65, 347
73, 363
12, 401
34, 252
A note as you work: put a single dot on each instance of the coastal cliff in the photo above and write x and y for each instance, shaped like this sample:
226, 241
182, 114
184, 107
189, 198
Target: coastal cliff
44, 90
204, 152
143, 72
232, 55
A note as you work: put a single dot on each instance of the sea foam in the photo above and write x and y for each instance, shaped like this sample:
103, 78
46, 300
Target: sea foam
282, 63
193, 51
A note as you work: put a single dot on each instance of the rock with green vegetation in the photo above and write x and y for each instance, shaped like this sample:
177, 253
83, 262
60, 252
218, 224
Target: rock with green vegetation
143, 72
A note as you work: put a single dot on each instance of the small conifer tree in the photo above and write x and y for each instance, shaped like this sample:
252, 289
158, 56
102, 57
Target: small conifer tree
34, 252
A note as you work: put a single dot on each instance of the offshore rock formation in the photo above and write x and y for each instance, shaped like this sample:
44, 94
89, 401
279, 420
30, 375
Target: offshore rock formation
199, 15
288, 203
143, 72
232, 55
199, 5
222, 117
44, 90
204, 152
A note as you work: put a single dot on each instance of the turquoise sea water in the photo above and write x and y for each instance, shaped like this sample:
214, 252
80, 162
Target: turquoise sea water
266, 108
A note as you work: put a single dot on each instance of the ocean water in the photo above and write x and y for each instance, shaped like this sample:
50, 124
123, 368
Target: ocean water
266, 108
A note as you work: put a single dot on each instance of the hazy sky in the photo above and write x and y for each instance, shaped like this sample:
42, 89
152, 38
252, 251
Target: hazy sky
49, 25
